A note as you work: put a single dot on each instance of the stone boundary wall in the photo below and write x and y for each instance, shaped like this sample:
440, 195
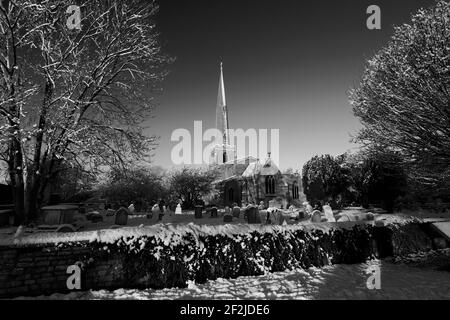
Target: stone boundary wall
171, 258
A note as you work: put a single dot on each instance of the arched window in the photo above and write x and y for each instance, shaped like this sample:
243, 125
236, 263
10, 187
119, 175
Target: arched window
270, 185
224, 157
295, 190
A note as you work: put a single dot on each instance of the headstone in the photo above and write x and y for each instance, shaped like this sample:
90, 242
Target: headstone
253, 215
344, 218
154, 216
275, 204
131, 209
328, 212
227, 218
301, 215
316, 216
178, 209
262, 206
213, 212
272, 216
198, 212
122, 216
308, 209
236, 212
155, 211
94, 217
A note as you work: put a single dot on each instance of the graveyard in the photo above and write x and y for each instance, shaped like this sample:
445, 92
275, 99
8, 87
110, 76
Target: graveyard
174, 254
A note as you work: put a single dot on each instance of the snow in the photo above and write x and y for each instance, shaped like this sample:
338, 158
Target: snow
167, 233
398, 281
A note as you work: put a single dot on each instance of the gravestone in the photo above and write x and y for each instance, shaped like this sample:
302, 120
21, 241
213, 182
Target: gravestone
236, 212
272, 215
155, 211
328, 213
154, 216
253, 215
226, 211
308, 209
316, 216
344, 218
213, 212
227, 218
178, 209
275, 204
121, 216
198, 212
94, 217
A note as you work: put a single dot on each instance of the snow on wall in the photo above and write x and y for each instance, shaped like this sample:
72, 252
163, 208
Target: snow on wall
172, 255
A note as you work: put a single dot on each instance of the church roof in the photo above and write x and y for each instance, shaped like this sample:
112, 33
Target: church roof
268, 169
252, 169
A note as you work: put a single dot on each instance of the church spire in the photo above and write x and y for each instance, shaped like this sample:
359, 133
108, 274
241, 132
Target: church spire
222, 114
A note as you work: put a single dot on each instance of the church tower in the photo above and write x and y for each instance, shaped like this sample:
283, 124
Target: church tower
224, 151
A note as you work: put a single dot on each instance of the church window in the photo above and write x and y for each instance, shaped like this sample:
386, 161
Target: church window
295, 194
270, 185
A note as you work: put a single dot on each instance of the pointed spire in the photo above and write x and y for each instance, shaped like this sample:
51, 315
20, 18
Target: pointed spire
221, 101
222, 110
222, 120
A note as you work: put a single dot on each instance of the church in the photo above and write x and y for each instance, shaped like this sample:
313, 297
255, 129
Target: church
249, 180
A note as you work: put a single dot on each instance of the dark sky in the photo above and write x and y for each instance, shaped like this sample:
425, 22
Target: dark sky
288, 65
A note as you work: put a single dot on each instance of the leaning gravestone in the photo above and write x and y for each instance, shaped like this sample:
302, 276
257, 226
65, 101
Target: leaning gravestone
328, 213
154, 216
121, 216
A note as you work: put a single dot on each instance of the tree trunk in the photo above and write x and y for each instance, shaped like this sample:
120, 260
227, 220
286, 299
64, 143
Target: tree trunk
35, 174
16, 175
32, 199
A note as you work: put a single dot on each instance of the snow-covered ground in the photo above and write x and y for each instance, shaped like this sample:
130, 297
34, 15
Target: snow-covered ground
398, 281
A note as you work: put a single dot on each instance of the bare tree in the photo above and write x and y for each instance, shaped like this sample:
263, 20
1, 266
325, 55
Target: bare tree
78, 96
403, 100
